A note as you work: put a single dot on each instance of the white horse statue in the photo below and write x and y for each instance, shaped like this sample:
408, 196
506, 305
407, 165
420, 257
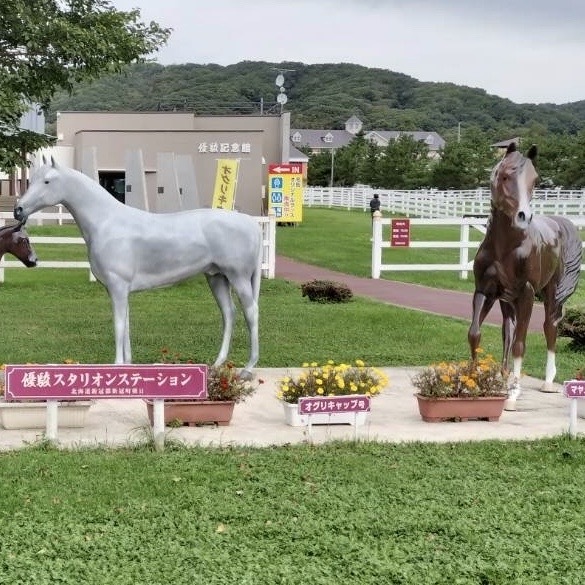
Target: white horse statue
130, 250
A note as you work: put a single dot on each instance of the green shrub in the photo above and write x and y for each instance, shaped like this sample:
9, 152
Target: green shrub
573, 325
326, 291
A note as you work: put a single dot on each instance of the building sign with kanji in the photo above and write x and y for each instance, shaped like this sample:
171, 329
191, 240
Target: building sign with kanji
224, 147
226, 181
285, 192
83, 382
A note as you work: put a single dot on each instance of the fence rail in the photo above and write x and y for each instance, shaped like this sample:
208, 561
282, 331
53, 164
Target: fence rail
268, 225
464, 244
433, 204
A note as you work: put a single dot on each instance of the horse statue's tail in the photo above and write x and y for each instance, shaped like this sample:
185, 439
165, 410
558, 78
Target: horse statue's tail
571, 254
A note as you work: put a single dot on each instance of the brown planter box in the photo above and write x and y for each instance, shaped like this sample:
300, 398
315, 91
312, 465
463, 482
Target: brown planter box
460, 409
195, 412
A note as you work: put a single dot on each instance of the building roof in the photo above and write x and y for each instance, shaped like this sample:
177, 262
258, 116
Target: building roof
295, 155
433, 140
505, 143
320, 139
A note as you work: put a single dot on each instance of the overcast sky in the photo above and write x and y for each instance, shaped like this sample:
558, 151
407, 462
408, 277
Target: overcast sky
527, 51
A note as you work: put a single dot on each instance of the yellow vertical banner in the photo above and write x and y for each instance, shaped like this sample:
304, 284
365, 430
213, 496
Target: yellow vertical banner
226, 181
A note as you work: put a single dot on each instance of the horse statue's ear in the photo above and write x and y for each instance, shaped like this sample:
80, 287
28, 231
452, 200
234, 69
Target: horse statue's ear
511, 148
532, 152
54, 163
44, 159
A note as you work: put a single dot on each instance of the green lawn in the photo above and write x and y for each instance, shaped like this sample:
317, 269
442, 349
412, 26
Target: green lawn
50, 315
486, 513
359, 513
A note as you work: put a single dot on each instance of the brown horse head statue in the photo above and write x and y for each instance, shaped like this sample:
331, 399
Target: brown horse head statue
512, 183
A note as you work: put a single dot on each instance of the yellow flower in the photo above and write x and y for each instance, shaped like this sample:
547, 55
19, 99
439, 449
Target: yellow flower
359, 363
445, 378
320, 390
318, 381
305, 365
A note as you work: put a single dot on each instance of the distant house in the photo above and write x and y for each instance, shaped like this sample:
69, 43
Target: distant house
433, 140
503, 144
328, 140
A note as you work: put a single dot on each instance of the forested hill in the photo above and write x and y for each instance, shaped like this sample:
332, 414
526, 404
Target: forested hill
321, 96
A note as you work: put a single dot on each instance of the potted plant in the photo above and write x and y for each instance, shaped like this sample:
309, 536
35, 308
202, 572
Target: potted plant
225, 388
32, 414
325, 380
471, 389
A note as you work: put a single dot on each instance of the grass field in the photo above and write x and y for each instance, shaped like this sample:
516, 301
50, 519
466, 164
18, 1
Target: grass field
486, 513
50, 315
360, 513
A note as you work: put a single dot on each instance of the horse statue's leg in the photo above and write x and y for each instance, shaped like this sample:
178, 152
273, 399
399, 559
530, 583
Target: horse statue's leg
553, 312
127, 348
248, 290
119, 296
481, 307
220, 287
514, 330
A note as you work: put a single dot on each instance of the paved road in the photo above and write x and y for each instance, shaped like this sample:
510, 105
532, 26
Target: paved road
412, 296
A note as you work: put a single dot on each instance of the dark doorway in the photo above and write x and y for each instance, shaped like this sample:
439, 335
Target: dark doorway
114, 182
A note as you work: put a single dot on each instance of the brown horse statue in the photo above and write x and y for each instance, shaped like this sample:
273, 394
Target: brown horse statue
14, 240
522, 255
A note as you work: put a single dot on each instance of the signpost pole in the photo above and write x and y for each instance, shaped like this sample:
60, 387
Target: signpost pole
573, 418
158, 423
51, 430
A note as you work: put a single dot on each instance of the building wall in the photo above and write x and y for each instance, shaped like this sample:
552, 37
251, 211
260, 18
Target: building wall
256, 140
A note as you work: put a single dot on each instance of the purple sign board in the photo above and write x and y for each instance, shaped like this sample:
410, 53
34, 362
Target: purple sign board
331, 404
85, 382
574, 388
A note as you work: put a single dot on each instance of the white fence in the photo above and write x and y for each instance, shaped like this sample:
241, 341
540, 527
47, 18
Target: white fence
268, 225
464, 244
435, 204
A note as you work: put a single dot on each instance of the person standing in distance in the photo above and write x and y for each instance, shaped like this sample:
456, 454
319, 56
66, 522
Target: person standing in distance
374, 205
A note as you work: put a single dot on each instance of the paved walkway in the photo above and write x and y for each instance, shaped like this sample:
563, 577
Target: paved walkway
412, 296
260, 420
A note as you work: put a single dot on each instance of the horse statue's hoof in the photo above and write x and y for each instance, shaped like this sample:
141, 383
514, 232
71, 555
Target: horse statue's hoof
510, 404
246, 375
549, 388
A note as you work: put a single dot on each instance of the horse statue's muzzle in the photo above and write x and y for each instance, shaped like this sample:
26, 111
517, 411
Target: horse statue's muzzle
19, 215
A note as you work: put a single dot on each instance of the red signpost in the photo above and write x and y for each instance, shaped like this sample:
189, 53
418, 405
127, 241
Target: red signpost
400, 232
83, 382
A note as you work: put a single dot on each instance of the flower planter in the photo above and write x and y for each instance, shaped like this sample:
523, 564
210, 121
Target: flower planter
33, 415
460, 409
195, 412
294, 419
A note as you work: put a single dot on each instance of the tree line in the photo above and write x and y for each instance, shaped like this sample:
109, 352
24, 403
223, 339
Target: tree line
464, 163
